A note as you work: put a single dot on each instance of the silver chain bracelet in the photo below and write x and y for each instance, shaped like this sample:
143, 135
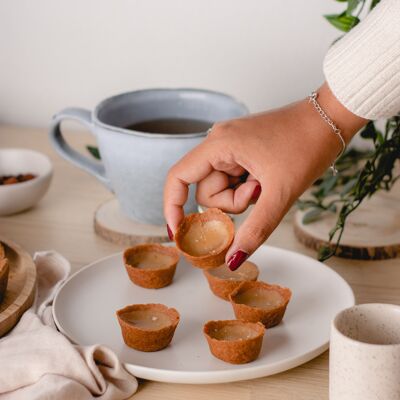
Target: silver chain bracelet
313, 99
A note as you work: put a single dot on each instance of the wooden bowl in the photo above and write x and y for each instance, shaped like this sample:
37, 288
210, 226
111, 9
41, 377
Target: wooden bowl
148, 327
21, 284
233, 341
151, 265
205, 238
223, 281
260, 302
4, 270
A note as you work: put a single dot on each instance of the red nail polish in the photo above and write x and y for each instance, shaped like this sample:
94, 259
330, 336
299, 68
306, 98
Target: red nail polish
170, 234
237, 259
256, 193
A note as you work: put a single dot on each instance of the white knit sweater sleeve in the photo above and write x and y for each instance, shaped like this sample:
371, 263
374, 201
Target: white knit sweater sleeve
363, 68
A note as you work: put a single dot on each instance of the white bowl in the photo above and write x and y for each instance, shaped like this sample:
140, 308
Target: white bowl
23, 195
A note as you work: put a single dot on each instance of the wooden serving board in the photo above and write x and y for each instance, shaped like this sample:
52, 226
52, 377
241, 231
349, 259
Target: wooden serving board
372, 231
112, 225
21, 285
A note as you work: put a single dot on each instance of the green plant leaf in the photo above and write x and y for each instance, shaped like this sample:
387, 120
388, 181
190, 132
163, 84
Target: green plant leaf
342, 21
369, 132
313, 215
379, 137
351, 6
326, 186
332, 208
94, 151
374, 3
325, 252
348, 186
329, 184
305, 204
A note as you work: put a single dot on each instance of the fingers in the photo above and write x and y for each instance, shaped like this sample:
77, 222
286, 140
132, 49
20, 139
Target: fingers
216, 191
263, 219
190, 169
229, 168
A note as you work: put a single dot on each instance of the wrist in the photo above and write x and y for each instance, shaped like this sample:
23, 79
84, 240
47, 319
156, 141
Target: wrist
348, 123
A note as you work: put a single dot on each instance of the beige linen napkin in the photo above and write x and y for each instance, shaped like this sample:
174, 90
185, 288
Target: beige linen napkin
38, 362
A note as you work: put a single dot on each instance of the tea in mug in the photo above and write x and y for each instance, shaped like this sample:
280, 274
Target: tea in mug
171, 126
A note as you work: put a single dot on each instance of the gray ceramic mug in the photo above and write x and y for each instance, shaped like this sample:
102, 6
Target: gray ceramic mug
135, 164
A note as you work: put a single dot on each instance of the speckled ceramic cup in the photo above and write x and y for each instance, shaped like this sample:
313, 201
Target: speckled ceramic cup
364, 360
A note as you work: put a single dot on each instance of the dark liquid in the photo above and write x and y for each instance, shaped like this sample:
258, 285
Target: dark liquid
171, 126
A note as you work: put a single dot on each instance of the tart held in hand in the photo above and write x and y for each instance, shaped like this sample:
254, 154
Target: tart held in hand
204, 238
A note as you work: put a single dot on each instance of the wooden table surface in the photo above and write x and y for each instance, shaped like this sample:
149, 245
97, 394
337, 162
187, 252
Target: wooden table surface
63, 221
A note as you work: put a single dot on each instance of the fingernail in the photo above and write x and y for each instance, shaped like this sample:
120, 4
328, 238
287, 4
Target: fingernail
256, 193
170, 234
237, 259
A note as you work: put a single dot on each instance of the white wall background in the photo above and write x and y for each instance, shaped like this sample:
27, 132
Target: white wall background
55, 54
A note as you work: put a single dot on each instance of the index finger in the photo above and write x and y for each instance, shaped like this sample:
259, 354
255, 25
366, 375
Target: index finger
192, 168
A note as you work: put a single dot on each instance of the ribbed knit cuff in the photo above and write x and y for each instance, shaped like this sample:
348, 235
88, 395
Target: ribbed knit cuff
363, 68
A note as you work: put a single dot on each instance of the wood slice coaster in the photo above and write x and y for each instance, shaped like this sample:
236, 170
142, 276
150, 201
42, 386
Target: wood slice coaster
21, 285
372, 231
112, 225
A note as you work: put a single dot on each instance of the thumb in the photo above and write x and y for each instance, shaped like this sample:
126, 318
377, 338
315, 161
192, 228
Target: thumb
261, 222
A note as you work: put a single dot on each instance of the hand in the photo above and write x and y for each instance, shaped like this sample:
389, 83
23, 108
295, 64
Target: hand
269, 158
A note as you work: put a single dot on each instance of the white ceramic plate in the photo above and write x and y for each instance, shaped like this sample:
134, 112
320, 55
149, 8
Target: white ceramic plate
84, 310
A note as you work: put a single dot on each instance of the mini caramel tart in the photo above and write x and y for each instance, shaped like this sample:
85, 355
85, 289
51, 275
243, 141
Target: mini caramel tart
148, 327
236, 342
223, 281
4, 269
151, 265
260, 302
204, 238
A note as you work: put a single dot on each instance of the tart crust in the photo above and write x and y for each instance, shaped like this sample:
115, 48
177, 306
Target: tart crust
221, 286
152, 278
147, 339
216, 256
236, 349
270, 316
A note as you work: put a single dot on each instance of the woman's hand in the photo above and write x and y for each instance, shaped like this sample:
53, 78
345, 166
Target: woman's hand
269, 158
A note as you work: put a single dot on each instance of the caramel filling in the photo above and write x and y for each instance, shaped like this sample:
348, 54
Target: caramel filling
151, 260
260, 298
247, 272
147, 319
205, 238
233, 332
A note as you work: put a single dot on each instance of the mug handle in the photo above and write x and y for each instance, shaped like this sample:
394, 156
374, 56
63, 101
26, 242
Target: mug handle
66, 151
